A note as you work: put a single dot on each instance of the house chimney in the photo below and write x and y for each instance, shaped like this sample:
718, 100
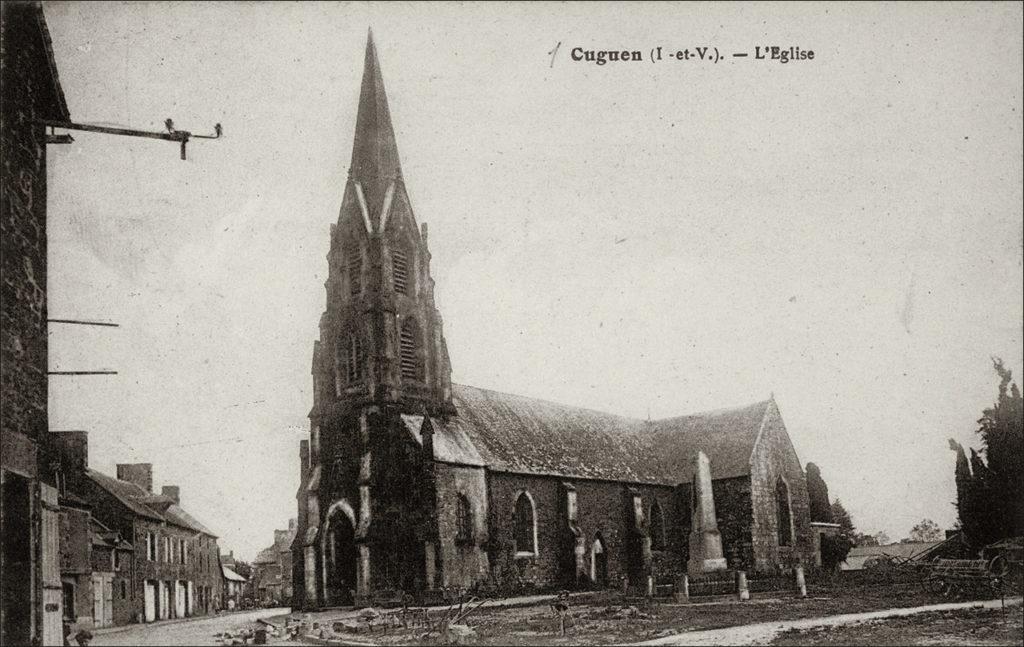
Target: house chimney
140, 474
73, 450
171, 491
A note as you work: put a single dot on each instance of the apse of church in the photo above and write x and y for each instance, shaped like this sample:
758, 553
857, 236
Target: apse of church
412, 484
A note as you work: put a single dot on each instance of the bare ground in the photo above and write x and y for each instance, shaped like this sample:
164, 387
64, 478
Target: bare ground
960, 627
609, 618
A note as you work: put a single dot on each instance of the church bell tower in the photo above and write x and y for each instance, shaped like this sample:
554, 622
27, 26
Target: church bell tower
367, 505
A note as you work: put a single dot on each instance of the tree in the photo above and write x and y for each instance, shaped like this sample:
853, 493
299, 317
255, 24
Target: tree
842, 517
1002, 434
990, 489
243, 568
926, 530
881, 539
817, 493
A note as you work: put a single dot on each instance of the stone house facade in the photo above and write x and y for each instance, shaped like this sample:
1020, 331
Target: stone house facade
410, 483
174, 569
272, 569
30, 590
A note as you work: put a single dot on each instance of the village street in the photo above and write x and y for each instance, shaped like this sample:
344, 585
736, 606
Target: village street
193, 631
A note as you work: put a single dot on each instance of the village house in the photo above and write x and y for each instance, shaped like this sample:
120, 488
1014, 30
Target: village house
272, 569
412, 483
175, 569
31, 591
234, 588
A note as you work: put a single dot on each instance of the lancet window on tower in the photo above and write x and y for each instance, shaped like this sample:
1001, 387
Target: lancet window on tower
408, 350
354, 260
400, 271
349, 362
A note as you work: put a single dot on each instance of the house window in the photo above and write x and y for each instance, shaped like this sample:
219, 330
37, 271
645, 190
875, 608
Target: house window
525, 526
167, 549
124, 590
408, 349
400, 271
463, 520
354, 254
657, 527
151, 546
117, 560
784, 513
68, 590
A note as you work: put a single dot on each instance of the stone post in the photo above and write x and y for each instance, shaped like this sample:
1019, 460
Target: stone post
682, 588
650, 586
801, 584
705, 540
743, 590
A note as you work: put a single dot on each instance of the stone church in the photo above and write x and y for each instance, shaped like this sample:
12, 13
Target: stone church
412, 483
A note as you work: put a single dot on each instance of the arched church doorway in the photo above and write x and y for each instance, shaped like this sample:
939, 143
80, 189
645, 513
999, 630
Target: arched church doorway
340, 556
599, 561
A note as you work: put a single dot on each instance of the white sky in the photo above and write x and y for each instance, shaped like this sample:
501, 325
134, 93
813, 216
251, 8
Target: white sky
634, 238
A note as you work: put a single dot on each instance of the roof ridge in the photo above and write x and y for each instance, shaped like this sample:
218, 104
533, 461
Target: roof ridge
696, 414
553, 402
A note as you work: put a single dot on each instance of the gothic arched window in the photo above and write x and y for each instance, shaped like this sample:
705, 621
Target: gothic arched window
784, 513
408, 349
354, 260
463, 520
400, 271
657, 527
525, 526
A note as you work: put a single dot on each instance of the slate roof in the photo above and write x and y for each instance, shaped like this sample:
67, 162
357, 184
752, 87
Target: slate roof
512, 433
230, 574
147, 504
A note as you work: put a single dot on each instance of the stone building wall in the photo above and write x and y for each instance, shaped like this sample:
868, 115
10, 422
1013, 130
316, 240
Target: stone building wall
774, 457
463, 563
30, 93
602, 507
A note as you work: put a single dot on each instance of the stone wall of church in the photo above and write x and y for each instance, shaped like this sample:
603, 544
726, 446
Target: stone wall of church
603, 507
773, 458
464, 561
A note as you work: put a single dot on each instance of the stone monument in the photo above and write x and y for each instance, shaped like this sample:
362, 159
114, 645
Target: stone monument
705, 540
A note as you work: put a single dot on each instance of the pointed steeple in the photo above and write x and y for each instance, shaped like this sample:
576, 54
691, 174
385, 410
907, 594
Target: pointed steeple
374, 152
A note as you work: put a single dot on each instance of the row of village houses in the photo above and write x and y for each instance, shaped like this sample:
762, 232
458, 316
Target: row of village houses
129, 554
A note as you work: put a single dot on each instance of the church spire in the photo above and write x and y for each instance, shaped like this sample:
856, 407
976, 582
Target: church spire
374, 152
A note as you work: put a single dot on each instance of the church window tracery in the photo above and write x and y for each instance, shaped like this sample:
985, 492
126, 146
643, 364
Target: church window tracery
784, 513
657, 527
525, 526
463, 520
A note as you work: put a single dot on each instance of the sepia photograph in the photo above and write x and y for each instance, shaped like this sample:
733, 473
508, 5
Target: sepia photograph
511, 323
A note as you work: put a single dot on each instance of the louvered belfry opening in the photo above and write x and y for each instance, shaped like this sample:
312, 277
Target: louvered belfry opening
355, 365
408, 348
349, 362
354, 257
400, 271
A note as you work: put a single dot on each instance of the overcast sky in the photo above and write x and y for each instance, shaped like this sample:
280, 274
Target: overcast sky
637, 238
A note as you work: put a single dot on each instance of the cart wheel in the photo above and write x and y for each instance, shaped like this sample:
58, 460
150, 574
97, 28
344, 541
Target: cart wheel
936, 585
999, 566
